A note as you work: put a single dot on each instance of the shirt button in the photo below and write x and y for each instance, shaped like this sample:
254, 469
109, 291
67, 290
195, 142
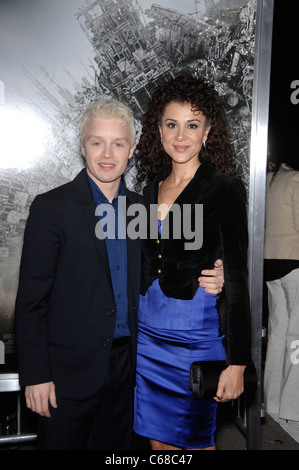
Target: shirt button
107, 343
158, 241
110, 312
159, 256
159, 271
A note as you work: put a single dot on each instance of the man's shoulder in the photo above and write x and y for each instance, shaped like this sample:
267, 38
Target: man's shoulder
66, 187
58, 196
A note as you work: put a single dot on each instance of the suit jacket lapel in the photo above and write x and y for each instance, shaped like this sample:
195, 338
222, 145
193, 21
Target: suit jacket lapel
133, 271
84, 197
133, 247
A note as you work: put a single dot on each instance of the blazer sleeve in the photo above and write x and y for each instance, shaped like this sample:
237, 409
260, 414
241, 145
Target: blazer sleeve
37, 273
234, 235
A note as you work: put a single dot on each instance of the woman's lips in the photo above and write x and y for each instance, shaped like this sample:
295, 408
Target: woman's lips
181, 148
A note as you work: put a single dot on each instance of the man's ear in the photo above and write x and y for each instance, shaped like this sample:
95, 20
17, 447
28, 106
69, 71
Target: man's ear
132, 151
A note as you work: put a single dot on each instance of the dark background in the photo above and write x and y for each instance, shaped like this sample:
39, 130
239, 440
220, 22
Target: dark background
283, 115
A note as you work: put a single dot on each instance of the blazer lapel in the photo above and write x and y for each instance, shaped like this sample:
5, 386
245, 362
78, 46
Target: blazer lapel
84, 197
133, 245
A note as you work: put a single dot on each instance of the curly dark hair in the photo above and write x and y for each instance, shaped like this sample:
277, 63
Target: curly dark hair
150, 156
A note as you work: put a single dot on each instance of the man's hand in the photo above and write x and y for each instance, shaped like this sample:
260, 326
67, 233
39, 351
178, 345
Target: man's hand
39, 396
214, 283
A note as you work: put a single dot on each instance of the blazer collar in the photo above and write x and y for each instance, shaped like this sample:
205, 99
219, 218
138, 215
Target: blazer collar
204, 174
205, 170
82, 188
83, 191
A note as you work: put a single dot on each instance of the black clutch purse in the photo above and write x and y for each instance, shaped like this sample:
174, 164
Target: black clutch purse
204, 376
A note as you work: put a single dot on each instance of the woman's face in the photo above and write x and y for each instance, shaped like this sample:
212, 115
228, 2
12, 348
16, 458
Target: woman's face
183, 131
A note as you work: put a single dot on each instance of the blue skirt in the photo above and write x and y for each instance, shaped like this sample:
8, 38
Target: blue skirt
172, 334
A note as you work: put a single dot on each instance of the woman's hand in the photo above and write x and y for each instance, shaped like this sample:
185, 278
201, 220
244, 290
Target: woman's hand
231, 383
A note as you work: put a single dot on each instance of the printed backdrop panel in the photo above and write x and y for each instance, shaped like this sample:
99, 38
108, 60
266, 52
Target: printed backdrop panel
58, 56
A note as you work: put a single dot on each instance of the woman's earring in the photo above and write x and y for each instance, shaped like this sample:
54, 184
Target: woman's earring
204, 144
161, 140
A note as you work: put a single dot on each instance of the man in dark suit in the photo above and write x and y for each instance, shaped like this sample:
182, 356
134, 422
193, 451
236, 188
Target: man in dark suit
77, 302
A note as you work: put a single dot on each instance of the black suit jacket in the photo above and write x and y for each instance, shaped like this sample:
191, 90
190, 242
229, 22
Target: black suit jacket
65, 308
224, 229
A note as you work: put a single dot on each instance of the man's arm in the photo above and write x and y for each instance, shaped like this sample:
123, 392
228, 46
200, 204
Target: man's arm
37, 274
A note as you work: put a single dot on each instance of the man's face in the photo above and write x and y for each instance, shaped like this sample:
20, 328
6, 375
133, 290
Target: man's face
107, 148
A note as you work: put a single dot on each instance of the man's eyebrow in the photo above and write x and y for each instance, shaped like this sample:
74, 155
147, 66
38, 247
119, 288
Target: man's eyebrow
100, 137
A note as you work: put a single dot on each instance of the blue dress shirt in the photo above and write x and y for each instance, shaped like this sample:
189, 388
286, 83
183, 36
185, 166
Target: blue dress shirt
116, 245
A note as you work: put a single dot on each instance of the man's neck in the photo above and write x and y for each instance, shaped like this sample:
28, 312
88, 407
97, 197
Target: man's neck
110, 190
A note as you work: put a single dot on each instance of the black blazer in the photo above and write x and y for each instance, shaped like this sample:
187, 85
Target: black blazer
65, 309
224, 229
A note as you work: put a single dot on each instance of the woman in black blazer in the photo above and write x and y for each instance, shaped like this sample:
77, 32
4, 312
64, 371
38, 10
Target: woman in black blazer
185, 154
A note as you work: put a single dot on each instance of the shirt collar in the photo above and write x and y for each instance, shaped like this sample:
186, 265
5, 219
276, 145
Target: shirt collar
98, 195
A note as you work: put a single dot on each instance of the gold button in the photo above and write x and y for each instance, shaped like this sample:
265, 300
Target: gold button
158, 241
159, 271
159, 256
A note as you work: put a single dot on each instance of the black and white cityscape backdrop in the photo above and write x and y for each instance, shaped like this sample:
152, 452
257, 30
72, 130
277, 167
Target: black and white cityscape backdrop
57, 56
